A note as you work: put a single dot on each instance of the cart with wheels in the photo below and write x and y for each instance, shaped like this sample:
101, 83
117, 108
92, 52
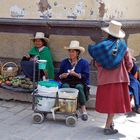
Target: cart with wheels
47, 98
64, 104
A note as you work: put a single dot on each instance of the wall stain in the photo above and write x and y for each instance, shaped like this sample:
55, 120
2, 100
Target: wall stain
45, 9
72, 17
55, 3
111, 17
102, 9
44, 5
116, 14
17, 11
91, 12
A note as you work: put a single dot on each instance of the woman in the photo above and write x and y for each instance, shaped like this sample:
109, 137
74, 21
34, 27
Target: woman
39, 51
134, 87
113, 64
74, 72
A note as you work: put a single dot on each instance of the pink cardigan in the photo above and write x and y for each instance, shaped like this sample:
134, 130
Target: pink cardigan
117, 75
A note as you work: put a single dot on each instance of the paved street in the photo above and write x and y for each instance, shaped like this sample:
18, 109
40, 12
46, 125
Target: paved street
16, 124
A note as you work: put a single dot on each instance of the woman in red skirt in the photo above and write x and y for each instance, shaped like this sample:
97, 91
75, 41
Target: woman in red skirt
113, 63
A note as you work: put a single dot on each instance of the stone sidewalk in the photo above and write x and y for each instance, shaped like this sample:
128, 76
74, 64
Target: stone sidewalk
16, 124
21, 96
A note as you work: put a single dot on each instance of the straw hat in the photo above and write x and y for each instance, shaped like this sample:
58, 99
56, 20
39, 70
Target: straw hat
75, 45
114, 29
40, 35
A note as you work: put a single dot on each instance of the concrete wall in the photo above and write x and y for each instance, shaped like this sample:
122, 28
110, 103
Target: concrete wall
73, 9
134, 43
121, 9
63, 9
15, 45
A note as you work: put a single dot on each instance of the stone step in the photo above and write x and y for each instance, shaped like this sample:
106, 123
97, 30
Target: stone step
11, 95
26, 97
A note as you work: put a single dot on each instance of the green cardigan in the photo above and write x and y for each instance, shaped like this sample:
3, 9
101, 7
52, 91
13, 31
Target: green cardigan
45, 54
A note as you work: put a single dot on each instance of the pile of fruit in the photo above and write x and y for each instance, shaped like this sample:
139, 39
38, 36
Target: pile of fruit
15, 82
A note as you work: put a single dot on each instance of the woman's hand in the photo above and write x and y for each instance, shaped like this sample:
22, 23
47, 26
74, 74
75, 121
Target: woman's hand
27, 56
63, 75
73, 73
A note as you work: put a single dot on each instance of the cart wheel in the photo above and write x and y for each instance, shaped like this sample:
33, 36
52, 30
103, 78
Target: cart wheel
71, 121
38, 118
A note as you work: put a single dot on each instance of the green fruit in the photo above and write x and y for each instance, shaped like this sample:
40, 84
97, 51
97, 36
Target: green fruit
15, 85
27, 79
1, 76
27, 86
31, 87
10, 78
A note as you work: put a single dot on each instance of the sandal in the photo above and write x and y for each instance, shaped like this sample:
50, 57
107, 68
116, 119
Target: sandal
84, 117
109, 131
138, 110
112, 125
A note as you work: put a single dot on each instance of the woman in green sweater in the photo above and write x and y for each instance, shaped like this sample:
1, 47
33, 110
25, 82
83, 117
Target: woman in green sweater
39, 51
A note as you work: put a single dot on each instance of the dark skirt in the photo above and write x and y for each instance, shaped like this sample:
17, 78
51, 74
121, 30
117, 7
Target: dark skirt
28, 70
113, 98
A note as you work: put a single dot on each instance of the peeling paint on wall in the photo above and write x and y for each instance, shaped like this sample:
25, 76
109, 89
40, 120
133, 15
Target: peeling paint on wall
16, 11
73, 9
44, 5
55, 3
102, 9
78, 10
45, 10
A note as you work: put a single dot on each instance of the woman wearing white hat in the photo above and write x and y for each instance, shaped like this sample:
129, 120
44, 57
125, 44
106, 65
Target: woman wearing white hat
74, 72
40, 51
113, 64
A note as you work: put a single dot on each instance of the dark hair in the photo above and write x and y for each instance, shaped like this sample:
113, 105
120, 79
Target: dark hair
78, 52
112, 37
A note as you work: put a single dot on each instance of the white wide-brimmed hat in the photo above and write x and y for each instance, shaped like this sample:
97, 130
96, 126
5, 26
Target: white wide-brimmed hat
114, 29
40, 35
75, 45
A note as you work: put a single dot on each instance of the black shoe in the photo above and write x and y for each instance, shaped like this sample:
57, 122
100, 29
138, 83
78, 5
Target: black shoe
109, 131
84, 117
138, 110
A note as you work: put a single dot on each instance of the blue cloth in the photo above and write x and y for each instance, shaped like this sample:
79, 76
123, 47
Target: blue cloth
28, 70
134, 87
103, 52
82, 67
134, 69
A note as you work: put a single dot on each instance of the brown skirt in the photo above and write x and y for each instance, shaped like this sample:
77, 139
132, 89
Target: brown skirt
113, 98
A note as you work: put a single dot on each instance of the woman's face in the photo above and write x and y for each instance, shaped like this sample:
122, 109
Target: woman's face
38, 43
73, 54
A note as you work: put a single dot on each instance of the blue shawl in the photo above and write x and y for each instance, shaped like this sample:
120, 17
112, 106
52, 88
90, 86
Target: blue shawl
109, 52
